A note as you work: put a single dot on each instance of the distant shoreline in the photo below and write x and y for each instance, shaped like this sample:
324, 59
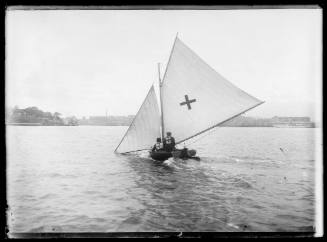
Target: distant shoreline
31, 124
32, 116
37, 124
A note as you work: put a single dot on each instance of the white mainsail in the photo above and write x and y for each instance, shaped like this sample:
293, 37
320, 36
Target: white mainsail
145, 128
195, 98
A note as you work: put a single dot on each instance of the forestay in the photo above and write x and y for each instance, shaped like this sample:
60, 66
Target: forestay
145, 128
195, 97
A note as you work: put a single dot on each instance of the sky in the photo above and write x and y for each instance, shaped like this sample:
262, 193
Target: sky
89, 62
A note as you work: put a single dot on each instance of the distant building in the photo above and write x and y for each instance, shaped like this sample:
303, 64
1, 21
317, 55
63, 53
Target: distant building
98, 120
239, 121
292, 122
120, 120
242, 121
71, 121
107, 120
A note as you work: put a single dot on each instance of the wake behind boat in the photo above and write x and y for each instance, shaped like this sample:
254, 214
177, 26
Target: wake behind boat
194, 99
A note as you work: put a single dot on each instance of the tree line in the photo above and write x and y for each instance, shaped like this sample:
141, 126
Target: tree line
36, 116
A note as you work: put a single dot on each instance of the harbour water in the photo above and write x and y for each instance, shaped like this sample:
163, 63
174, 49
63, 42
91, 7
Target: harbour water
68, 179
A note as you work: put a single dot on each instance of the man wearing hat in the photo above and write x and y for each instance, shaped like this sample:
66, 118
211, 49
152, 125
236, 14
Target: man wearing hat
169, 143
158, 145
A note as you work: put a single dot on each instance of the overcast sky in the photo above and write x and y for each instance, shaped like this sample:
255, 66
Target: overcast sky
86, 62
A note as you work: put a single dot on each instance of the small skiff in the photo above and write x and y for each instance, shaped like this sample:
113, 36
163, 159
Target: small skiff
185, 153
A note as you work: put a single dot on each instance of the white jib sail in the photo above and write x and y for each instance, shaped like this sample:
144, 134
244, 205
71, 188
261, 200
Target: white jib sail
197, 98
145, 128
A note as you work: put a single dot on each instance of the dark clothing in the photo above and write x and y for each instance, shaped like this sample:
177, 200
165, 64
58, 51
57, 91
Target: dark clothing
169, 144
184, 154
157, 146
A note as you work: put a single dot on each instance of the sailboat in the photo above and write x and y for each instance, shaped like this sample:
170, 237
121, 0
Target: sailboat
194, 98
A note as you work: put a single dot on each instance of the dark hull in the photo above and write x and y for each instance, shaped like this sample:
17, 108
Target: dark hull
164, 155
160, 155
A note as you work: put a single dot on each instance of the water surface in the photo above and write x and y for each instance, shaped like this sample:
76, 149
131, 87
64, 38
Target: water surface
68, 179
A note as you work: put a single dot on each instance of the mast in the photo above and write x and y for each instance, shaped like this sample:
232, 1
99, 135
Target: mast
160, 85
161, 111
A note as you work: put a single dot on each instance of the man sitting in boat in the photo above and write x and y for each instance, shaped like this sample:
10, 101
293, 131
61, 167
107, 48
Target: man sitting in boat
158, 145
169, 143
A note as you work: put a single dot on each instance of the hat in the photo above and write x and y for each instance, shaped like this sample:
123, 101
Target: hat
158, 139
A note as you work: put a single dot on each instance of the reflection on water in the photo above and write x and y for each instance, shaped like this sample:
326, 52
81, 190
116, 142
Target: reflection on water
68, 179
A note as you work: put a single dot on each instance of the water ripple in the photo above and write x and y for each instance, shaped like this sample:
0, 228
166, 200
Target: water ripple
78, 184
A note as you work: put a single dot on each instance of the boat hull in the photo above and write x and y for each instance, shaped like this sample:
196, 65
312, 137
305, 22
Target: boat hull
182, 154
160, 155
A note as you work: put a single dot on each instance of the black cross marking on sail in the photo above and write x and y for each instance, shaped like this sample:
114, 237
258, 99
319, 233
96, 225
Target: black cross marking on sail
188, 102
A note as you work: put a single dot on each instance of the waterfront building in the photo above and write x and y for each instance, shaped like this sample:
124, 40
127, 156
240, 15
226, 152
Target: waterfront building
292, 122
